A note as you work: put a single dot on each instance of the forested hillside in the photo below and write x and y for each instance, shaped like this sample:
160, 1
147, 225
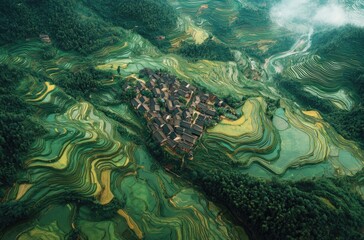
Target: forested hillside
18, 129
319, 209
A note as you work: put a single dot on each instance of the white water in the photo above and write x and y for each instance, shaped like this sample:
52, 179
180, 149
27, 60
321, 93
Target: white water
274, 64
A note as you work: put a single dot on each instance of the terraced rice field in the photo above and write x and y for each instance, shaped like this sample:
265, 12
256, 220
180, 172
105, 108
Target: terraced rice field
292, 142
83, 154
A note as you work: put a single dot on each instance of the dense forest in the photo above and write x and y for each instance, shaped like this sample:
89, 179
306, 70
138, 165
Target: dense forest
18, 130
83, 82
209, 50
23, 19
335, 42
149, 18
253, 17
320, 209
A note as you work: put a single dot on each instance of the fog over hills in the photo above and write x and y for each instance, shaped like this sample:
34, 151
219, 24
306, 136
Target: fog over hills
303, 14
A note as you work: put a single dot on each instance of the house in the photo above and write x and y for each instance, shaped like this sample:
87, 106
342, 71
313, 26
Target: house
173, 135
186, 114
169, 105
153, 127
185, 124
211, 113
144, 99
189, 138
181, 92
171, 143
156, 92
159, 121
196, 130
126, 86
143, 108
179, 130
204, 97
159, 136
177, 123
150, 84
164, 87
140, 85
185, 146
167, 129
155, 107
135, 103
149, 116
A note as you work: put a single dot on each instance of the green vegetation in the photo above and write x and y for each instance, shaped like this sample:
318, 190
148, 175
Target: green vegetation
82, 82
350, 124
209, 49
22, 19
320, 209
253, 17
280, 45
18, 130
346, 40
149, 18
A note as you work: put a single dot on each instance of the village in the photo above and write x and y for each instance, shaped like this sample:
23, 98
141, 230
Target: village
176, 112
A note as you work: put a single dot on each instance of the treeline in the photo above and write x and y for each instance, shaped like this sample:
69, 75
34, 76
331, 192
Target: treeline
149, 18
22, 19
350, 124
253, 17
319, 209
83, 82
18, 130
209, 50
347, 40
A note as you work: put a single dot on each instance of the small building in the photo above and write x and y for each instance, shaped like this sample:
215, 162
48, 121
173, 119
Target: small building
135, 103
196, 130
179, 130
150, 84
143, 108
155, 107
167, 129
185, 124
171, 143
185, 146
149, 116
211, 113
140, 85
144, 99
173, 135
186, 115
181, 93
156, 92
202, 107
189, 138
204, 97
169, 105
159, 121
159, 136
177, 123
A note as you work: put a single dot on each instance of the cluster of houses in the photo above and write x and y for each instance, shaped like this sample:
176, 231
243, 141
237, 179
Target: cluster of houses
176, 111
